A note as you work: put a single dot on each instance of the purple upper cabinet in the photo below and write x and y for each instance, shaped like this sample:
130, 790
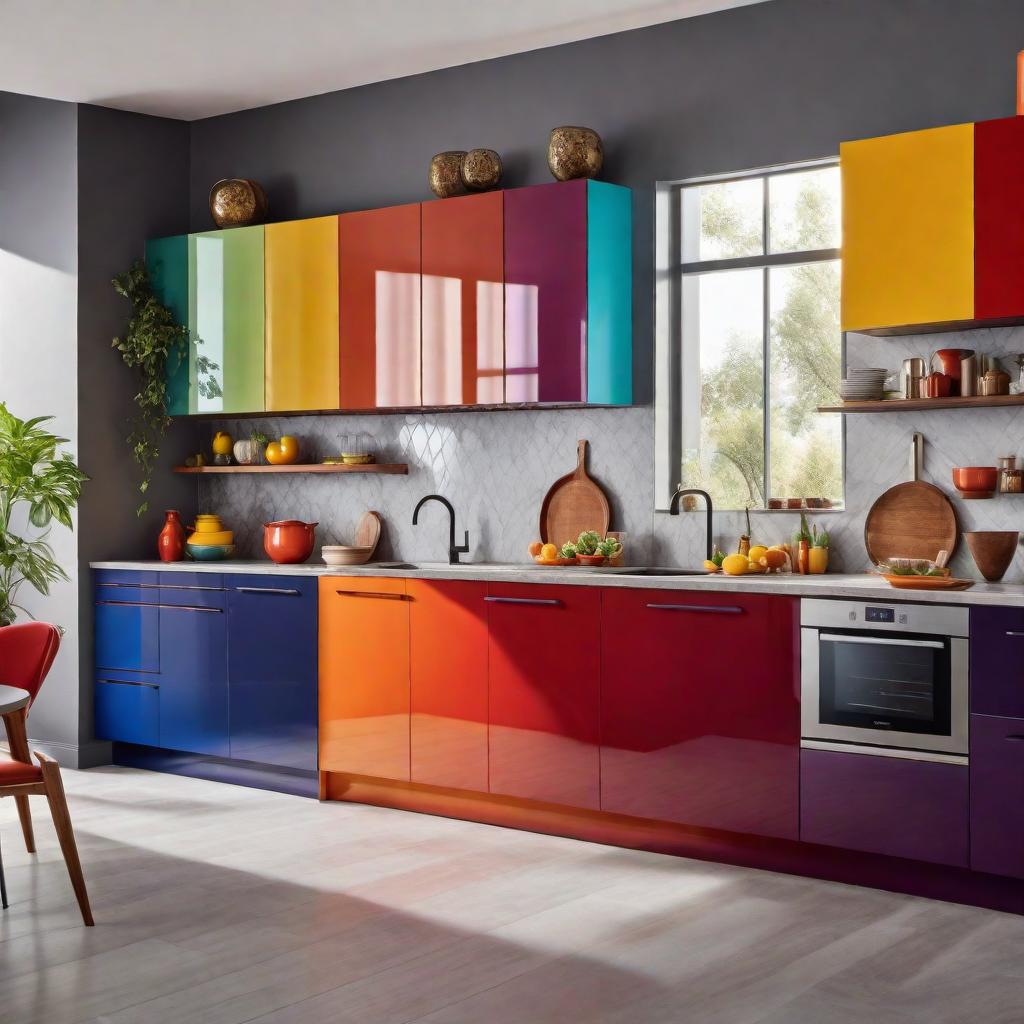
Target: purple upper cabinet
997, 661
546, 293
997, 795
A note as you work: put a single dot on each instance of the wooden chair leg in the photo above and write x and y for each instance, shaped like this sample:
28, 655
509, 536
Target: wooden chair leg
17, 740
62, 823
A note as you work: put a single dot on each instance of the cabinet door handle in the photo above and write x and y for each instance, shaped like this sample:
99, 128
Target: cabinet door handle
1015, 632
154, 604
546, 601
380, 595
128, 682
715, 609
1016, 737
284, 591
190, 608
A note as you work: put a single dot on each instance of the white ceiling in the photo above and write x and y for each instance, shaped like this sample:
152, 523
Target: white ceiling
196, 58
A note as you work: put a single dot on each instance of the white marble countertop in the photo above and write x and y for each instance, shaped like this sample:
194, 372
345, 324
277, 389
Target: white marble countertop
864, 586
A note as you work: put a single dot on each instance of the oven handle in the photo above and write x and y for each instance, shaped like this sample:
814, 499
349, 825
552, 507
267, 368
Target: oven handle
844, 639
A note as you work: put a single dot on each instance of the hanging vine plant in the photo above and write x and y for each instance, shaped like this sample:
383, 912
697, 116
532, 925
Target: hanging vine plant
153, 343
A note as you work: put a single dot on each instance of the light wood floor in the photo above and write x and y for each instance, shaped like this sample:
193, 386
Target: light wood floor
220, 905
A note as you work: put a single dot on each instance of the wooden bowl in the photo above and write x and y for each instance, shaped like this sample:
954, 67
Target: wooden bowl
993, 551
340, 554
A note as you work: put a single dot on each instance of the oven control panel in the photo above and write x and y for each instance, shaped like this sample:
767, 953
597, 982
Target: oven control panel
935, 619
874, 614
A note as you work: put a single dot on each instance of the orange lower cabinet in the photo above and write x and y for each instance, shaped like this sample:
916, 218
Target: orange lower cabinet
364, 677
545, 658
448, 648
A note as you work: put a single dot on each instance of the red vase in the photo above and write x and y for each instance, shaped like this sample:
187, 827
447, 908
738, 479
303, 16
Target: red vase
170, 545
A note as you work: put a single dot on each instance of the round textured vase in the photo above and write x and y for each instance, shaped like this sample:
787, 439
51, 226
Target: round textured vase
170, 544
446, 173
247, 453
237, 202
481, 170
575, 153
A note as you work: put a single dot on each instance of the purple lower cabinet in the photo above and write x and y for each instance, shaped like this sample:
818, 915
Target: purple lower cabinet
997, 795
889, 805
997, 661
546, 293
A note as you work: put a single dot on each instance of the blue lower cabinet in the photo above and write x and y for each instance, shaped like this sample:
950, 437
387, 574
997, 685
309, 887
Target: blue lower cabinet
127, 630
193, 675
128, 711
272, 668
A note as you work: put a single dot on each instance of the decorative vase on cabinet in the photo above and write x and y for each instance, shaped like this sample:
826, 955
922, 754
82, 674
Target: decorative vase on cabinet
170, 544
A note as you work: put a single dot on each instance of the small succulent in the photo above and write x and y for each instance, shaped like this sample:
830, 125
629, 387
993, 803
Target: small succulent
804, 533
609, 547
718, 556
819, 539
586, 543
568, 550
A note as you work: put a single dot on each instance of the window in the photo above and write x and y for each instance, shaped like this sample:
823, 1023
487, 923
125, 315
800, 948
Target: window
748, 337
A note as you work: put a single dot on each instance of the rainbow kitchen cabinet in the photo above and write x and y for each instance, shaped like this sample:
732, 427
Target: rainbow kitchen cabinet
167, 263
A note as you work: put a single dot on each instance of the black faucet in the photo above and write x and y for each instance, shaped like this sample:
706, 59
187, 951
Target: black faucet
673, 508
453, 551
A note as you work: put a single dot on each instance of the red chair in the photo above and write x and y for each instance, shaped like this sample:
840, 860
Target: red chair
27, 651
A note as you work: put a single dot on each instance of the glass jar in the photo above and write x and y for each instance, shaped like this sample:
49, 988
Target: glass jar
1011, 479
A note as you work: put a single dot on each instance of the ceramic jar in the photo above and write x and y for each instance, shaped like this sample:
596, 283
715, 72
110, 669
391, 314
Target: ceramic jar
248, 453
575, 153
170, 544
289, 541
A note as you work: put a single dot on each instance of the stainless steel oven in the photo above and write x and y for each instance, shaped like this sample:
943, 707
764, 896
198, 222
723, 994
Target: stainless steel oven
889, 679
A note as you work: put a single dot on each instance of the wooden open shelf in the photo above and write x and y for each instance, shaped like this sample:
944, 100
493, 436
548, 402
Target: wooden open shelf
393, 468
926, 404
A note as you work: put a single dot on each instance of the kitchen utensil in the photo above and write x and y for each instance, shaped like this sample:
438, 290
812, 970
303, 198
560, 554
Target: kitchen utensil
968, 376
339, 554
949, 359
209, 552
911, 520
911, 377
550, 562
220, 537
938, 385
574, 503
368, 531
208, 522
993, 551
994, 382
356, 458
590, 559
1011, 479
289, 541
975, 481
941, 559
927, 582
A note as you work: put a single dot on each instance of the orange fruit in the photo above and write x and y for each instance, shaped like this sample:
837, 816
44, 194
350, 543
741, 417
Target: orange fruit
535, 548
549, 552
773, 559
736, 565
274, 454
289, 448
756, 553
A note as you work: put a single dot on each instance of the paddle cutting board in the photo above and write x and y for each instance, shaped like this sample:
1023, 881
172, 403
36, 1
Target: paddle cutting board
573, 504
368, 532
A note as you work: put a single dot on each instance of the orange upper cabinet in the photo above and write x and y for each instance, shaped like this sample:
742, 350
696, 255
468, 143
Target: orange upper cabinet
301, 266
379, 339
908, 230
463, 301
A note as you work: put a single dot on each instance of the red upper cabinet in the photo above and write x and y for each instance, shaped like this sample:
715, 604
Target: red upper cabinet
379, 308
463, 301
999, 218
448, 657
700, 719
544, 692
546, 293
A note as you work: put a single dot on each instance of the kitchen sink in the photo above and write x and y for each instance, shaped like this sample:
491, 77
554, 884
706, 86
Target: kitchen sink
653, 570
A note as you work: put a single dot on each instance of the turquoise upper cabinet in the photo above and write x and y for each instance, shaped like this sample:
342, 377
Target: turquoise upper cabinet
167, 263
609, 294
226, 318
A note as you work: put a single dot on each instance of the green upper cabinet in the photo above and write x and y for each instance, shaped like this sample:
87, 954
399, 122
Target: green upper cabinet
226, 318
167, 263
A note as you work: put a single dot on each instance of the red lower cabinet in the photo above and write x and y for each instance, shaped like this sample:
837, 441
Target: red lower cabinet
700, 719
997, 795
448, 661
544, 653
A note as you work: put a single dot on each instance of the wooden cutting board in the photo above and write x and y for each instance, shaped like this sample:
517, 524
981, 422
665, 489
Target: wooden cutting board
573, 504
368, 532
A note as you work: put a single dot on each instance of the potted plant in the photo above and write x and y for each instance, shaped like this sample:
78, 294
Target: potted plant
817, 556
33, 473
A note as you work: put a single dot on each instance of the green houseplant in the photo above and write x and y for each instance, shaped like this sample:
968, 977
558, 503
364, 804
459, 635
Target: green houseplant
33, 472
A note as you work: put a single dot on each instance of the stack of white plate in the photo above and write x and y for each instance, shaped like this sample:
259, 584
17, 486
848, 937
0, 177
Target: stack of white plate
863, 384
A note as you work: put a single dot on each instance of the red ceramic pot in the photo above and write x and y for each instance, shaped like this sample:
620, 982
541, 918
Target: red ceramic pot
939, 385
949, 358
289, 540
975, 478
170, 544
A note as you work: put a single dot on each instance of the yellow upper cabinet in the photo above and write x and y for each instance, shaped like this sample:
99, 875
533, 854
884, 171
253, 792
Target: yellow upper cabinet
301, 262
908, 229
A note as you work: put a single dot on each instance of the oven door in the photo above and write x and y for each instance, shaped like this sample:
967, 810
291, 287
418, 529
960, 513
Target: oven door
890, 691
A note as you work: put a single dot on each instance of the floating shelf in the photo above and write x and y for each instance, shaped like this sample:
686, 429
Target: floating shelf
926, 404
400, 468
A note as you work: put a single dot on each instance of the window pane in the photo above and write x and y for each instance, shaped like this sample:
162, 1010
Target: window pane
723, 386
723, 221
803, 210
806, 446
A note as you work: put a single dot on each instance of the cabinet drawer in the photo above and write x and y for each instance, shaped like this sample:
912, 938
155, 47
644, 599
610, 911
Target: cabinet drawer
997, 661
997, 795
128, 711
890, 805
127, 634
126, 577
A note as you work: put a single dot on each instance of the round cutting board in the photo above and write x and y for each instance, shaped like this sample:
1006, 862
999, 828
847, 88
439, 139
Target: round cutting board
910, 520
573, 504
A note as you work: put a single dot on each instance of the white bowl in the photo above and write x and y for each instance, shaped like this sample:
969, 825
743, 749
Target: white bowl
340, 554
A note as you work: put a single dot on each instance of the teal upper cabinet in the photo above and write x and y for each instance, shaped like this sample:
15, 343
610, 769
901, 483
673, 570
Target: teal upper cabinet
226, 318
167, 263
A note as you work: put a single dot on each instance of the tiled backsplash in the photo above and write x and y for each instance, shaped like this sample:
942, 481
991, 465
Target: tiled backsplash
495, 468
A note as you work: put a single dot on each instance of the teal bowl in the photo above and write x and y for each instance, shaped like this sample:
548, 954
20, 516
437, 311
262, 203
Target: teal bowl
209, 552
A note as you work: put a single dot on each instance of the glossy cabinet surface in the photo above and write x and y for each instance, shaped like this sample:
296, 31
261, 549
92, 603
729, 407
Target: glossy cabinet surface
379, 282
997, 661
546, 293
889, 805
272, 635
700, 717
301, 289
448, 665
908, 228
127, 710
364, 676
545, 669
167, 264
127, 622
226, 318
997, 795
463, 300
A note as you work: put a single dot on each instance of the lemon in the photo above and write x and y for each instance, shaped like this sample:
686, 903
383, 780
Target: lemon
756, 553
736, 565
549, 552
710, 566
